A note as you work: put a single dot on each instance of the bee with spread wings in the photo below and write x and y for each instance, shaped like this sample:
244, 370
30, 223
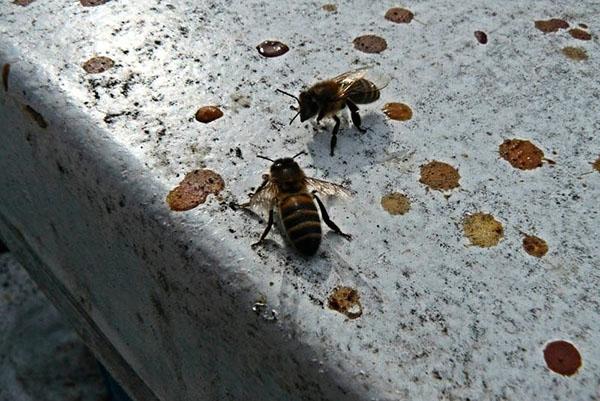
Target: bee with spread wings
327, 98
288, 189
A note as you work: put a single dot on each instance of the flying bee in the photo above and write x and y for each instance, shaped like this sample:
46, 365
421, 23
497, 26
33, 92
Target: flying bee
288, 189
327, 98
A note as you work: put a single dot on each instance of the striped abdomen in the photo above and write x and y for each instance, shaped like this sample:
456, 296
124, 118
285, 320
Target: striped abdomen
301, 221
363, 91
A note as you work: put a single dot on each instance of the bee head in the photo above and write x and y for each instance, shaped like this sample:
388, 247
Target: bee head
308, 106
286, 169
287, 174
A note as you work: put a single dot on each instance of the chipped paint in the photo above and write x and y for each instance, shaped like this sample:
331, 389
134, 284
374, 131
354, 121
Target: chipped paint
194, 189
439, 176
481, 37
207, 114
535, 246
395, 203
575, 53
483, 230
272, 48
551, 25
596, 165
521, 154
92, 3
580, 34
562, 357
398, 111
98, 64
345, 300
399, 15
370, 43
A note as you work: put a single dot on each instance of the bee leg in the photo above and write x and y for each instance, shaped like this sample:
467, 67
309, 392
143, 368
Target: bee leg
267, 229
321, 115
355, 116
265, 178
327, 220
260, 188
336, 128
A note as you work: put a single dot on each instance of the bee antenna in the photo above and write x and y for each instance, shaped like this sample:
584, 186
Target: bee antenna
298, 154
292, 120
289, 94
264, 157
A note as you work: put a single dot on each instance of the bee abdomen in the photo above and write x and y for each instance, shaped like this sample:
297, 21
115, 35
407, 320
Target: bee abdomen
363, 91
302, 223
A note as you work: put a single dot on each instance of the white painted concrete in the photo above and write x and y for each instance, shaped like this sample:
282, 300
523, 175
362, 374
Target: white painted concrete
166, 298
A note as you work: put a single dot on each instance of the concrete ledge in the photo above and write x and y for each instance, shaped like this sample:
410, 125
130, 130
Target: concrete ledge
179, 306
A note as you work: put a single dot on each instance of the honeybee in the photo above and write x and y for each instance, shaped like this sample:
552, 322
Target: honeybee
327, 98
288, 189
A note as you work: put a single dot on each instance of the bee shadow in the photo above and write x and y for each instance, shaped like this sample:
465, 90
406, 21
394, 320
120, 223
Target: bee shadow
354, 150
313, 270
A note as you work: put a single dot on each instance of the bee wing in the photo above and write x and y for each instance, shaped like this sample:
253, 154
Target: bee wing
349, 77
264, 197
347, 80
327, 188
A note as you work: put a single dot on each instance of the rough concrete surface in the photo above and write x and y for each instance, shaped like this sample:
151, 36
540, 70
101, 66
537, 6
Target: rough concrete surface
180, 306
41, 358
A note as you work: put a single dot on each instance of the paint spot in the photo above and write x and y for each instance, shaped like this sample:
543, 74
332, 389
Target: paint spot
35, 116
580, 34
194, 189
535, 246
347, 301
481, 37
551, 25
5, 72
575, 53
483, 230
399, 15
395, 203
521, 154
562, 357
596, 165
23, 2
398, 111
370, 44
330, 8
272, 48
207, 114
439, 176
97, 65
92, 3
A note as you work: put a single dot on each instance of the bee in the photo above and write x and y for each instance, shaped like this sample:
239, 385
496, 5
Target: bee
288, 189
327, 98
